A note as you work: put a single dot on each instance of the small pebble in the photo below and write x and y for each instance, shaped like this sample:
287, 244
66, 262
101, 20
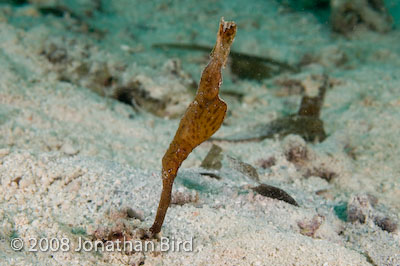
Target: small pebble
131, 213
358, 208
386, 224
4, 152
68, 149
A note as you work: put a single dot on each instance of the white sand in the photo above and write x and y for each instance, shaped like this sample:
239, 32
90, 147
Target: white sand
71, 160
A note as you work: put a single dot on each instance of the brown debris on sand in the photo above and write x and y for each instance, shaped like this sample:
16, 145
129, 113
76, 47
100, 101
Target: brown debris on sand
347, 15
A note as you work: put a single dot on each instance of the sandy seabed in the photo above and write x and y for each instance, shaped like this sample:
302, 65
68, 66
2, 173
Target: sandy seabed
77, 166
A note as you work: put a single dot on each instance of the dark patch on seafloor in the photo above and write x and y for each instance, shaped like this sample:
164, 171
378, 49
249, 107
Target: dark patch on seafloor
274, 193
